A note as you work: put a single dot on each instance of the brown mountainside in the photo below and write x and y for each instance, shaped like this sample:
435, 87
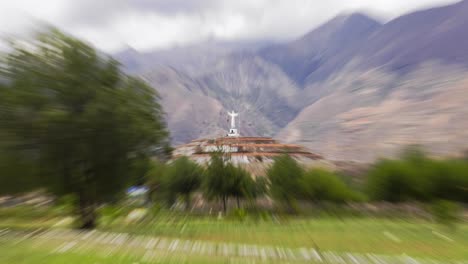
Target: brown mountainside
352, 89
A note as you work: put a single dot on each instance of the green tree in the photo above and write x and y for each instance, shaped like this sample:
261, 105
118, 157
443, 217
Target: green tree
216, 182
154, 180
284, 178
183, 177
448, 180
417, 177
392, 181
323, 185
241, 184
72, 113
445, 212
224, 180
12, 167
260, 187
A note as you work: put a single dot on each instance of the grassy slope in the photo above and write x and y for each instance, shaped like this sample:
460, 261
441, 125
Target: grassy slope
362, 235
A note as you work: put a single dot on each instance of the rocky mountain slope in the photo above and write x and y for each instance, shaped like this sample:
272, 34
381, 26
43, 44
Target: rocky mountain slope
352, 89
323, 51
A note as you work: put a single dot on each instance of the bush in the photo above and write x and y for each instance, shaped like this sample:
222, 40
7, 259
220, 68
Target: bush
183, 177
417, 177
239, 214
449, 181
446, 213
284, 178
65, 205
108, 214
323, 185
392, 181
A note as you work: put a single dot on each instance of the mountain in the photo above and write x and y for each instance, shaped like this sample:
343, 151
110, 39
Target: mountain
319, 53
351, 89
190, 113
376, 113
259, 91
433, 34
401, 87
191, 59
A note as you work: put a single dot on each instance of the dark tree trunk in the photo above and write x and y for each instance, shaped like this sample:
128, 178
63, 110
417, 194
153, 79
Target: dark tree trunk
187, 202
291, 207
238, 202
151, 194
224, 205
87, 212
149, 197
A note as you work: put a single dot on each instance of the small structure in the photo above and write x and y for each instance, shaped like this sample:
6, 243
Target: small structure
253, 153
233, 131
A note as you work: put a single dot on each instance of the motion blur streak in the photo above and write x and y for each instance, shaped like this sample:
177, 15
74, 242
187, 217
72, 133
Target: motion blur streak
235, 132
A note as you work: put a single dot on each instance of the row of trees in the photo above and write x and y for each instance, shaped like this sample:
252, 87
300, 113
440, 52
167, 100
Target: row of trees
286, 181
416, 177
413, 177
220, 180
289, 182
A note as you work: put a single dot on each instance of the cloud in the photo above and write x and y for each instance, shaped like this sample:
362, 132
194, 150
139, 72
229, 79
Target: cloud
151, 24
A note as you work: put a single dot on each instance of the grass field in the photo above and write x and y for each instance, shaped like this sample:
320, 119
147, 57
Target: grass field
11, 253
361, 236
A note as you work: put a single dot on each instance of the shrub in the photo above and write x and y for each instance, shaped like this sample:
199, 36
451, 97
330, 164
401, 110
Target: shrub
392, 181
323, 185
445, 212
239, 214
449, 181
417, 177
183, 177
284, 178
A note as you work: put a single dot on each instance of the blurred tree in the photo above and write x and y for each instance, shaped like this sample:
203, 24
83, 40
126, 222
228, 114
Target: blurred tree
284, 178
449, 180
445, 212
323, 185
223, 180
77, 117
260, 187
392, 181
154, 180
240, 184
418, 177
12, 166
183, 177
216, 182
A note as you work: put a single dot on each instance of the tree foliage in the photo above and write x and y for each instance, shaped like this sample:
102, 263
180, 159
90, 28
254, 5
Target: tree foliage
81, 122
242, 185
446, 213
183, 177
323, 185
224, 180
417, 177
284, 178
154, 180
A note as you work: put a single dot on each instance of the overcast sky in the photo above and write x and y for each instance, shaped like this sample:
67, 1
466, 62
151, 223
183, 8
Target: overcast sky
112, 25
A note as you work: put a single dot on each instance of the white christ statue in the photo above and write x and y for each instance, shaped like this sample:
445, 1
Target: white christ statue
233, 116
233, 131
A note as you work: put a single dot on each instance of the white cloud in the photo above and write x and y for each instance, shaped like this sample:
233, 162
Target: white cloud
151, 24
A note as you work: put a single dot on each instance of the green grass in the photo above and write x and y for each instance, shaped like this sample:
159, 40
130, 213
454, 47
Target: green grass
361, 235
13, 254
413, 237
